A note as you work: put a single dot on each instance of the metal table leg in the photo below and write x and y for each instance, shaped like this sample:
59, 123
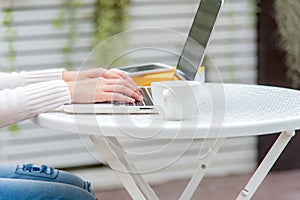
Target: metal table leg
111, 157
113, 153
266, 165
200, 172
143, 185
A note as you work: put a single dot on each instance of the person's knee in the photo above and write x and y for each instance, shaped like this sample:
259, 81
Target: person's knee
33, 189
43, 173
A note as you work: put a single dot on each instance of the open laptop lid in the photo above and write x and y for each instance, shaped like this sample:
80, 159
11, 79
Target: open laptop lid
194, 49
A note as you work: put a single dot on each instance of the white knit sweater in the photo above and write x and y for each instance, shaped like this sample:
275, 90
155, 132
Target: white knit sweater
26, 94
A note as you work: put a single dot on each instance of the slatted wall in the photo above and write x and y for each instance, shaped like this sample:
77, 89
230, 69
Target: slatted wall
38, 45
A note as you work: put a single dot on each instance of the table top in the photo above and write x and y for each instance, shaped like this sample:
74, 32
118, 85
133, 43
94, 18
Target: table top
227, 110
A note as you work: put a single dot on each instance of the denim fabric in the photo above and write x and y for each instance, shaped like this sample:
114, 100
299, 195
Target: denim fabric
42, 182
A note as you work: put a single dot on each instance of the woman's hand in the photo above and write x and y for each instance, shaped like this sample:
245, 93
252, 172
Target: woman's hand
103, 89
99, 85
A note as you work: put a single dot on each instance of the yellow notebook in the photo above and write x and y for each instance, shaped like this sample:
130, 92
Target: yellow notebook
146, 80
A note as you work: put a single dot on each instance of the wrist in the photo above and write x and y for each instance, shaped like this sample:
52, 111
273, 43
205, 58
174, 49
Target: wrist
69, 76
71, 85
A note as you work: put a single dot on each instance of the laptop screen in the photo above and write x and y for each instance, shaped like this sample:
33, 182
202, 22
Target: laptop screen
194, 48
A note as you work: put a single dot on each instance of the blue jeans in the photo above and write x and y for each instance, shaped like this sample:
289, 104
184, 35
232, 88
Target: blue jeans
31, 182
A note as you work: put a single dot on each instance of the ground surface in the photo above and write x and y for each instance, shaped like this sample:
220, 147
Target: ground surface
277, 186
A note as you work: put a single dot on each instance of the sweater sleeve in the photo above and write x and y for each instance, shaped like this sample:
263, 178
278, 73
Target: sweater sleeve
14, 79
11, 80
25, 102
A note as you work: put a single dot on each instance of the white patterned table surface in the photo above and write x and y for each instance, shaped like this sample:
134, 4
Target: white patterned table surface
227, 110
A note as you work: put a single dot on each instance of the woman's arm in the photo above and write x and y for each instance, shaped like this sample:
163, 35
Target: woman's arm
41, 93
25, 102
10, 80
14, 79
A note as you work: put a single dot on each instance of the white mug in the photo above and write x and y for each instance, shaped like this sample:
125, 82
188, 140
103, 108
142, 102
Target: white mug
176, 100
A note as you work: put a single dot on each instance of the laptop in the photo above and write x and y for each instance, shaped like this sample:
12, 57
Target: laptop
187, 68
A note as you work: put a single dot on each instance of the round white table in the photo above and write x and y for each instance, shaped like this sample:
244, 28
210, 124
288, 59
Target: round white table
227, 110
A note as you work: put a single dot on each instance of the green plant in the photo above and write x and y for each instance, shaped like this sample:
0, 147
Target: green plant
67, 20
15, 128
10, 36
109, 19
287, 17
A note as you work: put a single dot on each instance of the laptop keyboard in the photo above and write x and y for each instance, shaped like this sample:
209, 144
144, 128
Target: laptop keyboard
146, 92
147, 99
